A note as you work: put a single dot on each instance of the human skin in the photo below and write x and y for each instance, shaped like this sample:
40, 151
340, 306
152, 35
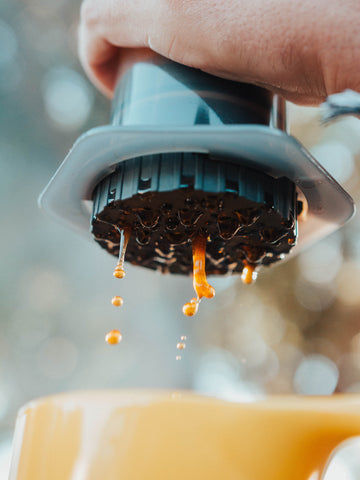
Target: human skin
302, 49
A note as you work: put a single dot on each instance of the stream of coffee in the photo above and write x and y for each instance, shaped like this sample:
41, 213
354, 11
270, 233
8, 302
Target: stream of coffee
201, 286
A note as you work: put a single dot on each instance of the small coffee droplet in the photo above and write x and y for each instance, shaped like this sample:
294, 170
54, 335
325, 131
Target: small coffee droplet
119, 273
248, 274
190, 308
178, 357
117, 301
113, 337
183, 338
291, 241
181, 346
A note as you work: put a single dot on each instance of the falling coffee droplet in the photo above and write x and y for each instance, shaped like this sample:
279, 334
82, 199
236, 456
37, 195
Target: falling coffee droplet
183, 338
190, 308
200, 283
181, 346
117, 301
119, 271
248, 274
113, 337
178, 357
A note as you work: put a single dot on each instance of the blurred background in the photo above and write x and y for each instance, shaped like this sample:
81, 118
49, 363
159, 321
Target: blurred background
297, 330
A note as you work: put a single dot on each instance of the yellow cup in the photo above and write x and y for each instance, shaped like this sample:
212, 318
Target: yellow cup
161, 435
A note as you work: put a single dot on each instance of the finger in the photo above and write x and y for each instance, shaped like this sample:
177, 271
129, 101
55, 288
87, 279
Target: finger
165, 26
104, 27
236, 39
278, 44
99, 61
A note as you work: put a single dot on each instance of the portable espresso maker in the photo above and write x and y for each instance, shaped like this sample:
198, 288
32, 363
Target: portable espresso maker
185, 154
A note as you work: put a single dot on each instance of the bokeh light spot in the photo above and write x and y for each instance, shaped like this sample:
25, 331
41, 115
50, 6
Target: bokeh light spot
316, 375
8, 42
68, 98
315, 298
320, 263
336, 158
347, 284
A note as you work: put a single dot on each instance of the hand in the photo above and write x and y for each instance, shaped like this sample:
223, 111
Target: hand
302, 49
